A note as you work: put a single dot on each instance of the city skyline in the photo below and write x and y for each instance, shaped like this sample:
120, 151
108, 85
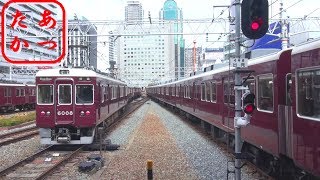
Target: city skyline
203, 9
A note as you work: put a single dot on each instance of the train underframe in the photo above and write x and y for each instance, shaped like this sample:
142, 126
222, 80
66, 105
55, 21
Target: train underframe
72, 135
278, 167
66, 135
10, 108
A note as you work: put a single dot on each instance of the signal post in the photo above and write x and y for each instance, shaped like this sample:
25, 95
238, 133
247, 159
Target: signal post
254, 25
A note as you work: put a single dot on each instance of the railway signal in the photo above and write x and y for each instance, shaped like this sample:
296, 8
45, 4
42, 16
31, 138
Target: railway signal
248, 103
254, 18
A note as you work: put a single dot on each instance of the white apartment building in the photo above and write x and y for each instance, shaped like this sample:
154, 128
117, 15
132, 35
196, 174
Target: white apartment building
144, 59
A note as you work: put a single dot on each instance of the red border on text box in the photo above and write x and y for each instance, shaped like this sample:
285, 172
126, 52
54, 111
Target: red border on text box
39, 62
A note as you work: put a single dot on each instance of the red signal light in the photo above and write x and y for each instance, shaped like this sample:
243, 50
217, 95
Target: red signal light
249, 108
255, 26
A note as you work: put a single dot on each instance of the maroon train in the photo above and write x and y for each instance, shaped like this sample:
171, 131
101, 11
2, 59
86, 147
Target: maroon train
282, 135
72, 103
17, 96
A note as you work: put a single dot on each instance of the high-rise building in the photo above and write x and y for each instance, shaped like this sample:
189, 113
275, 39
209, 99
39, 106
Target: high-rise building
32, 34
133, 12
145, 59
82, 44
171, 12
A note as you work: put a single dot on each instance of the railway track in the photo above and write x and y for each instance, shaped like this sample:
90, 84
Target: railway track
134, 105
221, 143
41, 164
18, 135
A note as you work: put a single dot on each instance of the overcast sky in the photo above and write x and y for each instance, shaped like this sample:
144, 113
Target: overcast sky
192, 9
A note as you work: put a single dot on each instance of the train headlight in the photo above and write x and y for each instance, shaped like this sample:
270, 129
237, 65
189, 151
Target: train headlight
48, 113
82, 113
42, 113
87, 113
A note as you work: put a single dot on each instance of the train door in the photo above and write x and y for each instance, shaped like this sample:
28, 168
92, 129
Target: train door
27, 92
7, 94
64, 106
228, 103
287, 139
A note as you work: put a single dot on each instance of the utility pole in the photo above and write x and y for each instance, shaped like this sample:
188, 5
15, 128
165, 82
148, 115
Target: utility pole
283, 24
254, 25
238, 91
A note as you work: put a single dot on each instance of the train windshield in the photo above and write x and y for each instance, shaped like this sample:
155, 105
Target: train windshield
84, 94
65, 94
45, 94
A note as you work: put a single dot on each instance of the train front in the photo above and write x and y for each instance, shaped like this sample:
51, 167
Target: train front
65, 111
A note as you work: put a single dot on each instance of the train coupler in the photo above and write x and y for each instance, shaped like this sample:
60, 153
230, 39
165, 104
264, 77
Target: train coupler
63, 136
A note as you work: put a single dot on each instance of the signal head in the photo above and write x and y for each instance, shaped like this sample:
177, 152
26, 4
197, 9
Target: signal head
248, 102
254, 18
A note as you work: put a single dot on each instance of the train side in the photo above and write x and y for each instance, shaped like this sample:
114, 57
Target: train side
282, 130
71, 103
303, 108
17, 96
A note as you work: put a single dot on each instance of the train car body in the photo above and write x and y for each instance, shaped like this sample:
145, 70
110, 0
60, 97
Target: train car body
17, 96
71, 103
286, 122
303, 108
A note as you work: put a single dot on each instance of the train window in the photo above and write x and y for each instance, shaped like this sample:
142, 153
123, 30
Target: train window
105, 93
84, 94
112, 88
288, 90
187, 91
102, 94
7, 92
64, 94
32, 92
308, 93
177, 91
213, 92
228, 89
197, 91
121, 90
173, 91
167, 90
265, 92
194, 90
203, 91
45, 94
182, 89
17, 92
208, 93
22, 92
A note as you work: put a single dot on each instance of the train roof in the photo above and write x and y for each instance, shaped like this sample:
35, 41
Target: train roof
254, 61
11, 84
73, 72
308, 46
